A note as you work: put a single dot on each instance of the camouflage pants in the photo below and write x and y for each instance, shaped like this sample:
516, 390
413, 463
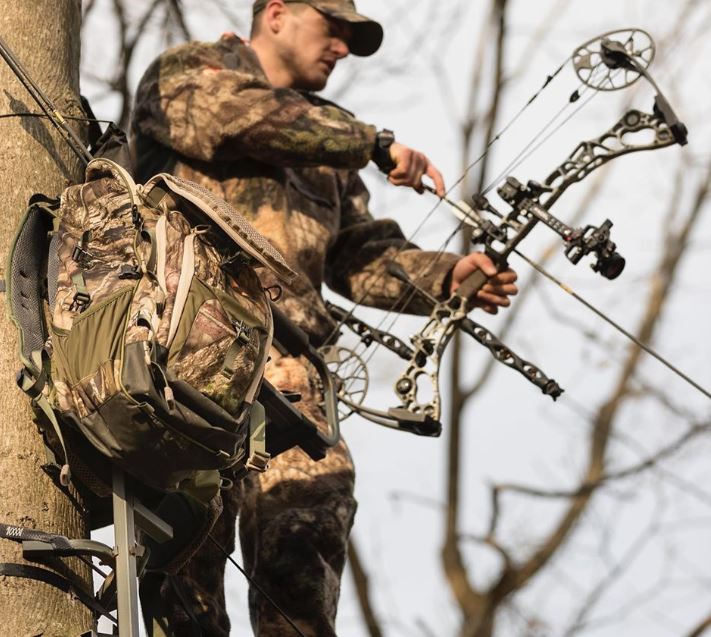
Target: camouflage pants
294, 522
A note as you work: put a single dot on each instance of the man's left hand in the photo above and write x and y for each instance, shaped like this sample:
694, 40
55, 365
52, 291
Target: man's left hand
496, 291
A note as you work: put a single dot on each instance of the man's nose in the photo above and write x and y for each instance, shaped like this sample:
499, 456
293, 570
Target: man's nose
340, 47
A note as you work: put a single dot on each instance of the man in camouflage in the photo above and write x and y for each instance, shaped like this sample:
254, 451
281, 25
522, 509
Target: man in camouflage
239, 118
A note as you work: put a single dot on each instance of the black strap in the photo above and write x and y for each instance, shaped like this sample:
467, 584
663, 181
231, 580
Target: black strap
20, 534
94, 132
10, 569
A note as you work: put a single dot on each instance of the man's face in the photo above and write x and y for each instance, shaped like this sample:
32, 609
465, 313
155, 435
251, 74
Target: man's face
310, 46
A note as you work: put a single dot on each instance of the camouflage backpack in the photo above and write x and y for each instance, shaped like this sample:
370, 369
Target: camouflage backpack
153, 331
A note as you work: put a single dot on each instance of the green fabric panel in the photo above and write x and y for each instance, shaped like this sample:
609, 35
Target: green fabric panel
97, 335
59, 362
238, 311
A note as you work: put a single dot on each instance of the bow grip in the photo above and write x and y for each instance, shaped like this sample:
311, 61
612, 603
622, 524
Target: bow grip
472, 284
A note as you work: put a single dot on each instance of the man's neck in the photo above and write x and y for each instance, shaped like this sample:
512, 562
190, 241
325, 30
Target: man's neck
271, 64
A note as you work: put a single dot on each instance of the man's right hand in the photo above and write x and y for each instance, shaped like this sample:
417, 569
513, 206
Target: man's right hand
410, 166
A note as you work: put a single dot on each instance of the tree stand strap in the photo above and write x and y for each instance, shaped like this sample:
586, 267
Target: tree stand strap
10, 569
22, 534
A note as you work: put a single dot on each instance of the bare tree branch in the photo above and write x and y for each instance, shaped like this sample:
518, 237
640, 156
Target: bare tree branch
701, 628
660, 292
556, 12
225, 9
88, 6
472, 603
634, 470
629, 556
362, 586
174, 14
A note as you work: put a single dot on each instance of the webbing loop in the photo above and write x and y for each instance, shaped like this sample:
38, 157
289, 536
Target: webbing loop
25, 571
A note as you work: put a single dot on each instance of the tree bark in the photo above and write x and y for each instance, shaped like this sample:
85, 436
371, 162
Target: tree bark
44, 35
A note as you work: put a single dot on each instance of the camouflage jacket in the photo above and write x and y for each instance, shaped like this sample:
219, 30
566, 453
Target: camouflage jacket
287, 161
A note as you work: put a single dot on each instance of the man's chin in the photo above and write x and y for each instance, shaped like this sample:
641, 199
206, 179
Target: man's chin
313, 83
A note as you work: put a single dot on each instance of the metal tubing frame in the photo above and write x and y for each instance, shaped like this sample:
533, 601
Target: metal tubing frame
126, 568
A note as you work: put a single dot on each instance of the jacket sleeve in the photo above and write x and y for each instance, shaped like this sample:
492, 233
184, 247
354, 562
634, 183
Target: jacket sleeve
358, 259
212, 102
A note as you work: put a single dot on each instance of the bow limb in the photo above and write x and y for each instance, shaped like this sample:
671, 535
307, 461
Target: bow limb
445, 319
613, 143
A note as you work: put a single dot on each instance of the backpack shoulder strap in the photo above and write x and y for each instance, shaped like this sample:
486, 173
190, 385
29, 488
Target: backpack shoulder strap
106, 167
26, 271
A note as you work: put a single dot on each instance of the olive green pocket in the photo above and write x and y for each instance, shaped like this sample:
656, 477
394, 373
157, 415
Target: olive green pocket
96, 336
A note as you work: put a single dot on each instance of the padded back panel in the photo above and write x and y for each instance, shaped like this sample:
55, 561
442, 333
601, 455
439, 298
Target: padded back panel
26, 278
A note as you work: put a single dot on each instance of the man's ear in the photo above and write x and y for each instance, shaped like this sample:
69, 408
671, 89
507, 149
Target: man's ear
274, 15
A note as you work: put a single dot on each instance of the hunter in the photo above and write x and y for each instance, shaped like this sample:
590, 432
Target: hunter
241, 118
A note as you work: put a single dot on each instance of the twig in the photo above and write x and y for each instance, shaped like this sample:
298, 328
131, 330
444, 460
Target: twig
362, 586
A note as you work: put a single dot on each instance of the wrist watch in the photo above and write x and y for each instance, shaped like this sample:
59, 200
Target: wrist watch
381, 151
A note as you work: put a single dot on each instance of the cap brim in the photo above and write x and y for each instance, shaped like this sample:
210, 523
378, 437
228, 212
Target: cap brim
367, 34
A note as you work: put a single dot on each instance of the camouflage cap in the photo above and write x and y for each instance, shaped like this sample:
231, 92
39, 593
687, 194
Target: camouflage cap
367, 34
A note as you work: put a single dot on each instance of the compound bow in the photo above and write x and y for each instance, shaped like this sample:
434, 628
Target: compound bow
609, 62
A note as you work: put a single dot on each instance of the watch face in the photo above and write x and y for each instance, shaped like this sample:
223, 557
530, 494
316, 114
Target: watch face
385, 138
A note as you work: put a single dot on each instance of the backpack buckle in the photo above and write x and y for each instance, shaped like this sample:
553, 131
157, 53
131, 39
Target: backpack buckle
239, 257
258, 461
81, 257
136, 217
127, 271
243, 331
81, 301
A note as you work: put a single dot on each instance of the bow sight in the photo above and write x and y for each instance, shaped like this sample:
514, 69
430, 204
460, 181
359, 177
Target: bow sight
526, 211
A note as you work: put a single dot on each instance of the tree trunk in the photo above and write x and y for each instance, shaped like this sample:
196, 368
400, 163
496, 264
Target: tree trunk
44, 35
